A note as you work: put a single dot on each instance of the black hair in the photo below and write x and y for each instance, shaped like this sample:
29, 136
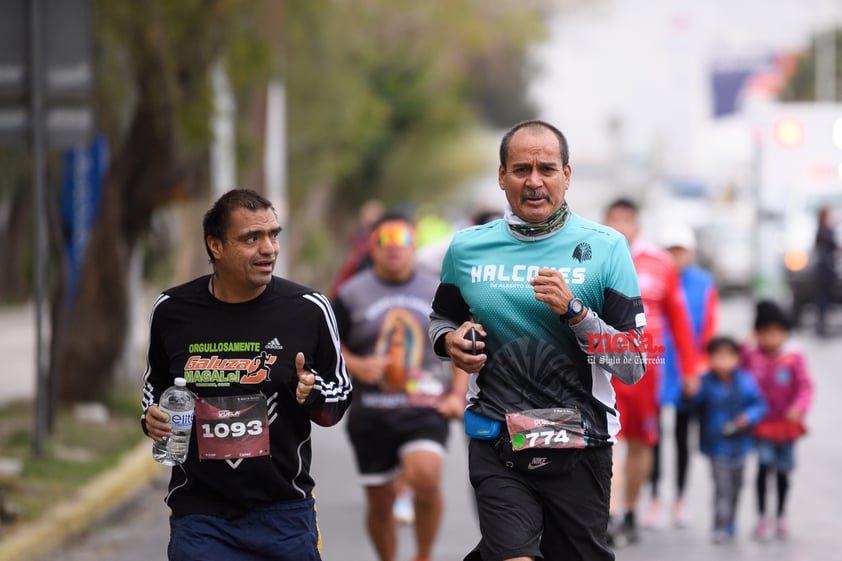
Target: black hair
534, 124
823, 213
395, 214
769, 313
722, 342
218, 217
622, 202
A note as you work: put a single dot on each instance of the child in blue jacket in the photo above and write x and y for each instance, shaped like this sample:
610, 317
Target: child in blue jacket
729, 403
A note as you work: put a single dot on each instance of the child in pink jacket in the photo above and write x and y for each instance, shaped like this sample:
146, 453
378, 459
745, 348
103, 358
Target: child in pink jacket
780, 369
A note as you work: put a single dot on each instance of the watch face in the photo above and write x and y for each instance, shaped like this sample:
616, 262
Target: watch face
576, 307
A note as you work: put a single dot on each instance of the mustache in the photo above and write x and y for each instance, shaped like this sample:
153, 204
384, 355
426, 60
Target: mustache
533, 194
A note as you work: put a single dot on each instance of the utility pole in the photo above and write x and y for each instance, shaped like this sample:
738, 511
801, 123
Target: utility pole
223, 174
36, 109
275, 130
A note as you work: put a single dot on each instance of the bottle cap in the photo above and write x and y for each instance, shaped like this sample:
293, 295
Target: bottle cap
180, 382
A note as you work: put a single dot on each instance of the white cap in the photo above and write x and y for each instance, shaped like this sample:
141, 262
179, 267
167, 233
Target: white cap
677, 234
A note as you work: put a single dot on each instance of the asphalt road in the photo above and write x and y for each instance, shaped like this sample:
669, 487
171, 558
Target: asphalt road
138, 531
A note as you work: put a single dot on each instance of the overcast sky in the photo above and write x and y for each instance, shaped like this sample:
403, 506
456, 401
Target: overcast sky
647, 63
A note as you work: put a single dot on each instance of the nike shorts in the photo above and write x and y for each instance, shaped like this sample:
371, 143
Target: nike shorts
284, 531
557, 518
380, 437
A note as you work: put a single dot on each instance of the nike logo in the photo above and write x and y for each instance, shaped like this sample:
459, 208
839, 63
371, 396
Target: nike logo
537, 463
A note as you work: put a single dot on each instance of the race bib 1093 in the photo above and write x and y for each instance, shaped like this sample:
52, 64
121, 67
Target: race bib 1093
231, 427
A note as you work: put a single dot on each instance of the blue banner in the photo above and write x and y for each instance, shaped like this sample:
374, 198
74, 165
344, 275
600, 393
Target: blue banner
83, 170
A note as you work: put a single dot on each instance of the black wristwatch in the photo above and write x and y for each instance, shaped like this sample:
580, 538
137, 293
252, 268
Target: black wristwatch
574, 308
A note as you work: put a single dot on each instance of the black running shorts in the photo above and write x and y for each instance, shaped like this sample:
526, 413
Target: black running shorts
380, 437
554, 517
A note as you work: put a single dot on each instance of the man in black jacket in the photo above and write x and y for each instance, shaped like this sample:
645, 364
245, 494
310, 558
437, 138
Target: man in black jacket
262, 355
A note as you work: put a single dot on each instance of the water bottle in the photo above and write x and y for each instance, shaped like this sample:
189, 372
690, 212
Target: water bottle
177, 402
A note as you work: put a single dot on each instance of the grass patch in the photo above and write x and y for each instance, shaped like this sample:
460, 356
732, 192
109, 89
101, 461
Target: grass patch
76, 452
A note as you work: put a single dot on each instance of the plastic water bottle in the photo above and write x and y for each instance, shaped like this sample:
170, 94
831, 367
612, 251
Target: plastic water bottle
177, 402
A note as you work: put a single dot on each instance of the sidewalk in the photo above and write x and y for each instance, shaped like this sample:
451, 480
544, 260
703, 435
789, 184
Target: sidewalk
17, 344
17, 347
34, 540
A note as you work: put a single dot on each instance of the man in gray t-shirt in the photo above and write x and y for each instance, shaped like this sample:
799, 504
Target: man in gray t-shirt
404, 394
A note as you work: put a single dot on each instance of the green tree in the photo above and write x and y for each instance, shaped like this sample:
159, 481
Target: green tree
384, 98
153, 100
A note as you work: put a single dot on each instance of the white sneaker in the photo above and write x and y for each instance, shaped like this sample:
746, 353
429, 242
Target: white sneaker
763, 529
403, 509
653, 518
781, 529
616, 537
680, 516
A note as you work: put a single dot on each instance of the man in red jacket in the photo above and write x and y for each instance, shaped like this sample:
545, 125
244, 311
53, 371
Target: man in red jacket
665, 308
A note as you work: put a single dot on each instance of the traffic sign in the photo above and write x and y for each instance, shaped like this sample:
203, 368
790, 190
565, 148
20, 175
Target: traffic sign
66, 126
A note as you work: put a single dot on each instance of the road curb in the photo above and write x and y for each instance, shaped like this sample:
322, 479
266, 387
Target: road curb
69, 518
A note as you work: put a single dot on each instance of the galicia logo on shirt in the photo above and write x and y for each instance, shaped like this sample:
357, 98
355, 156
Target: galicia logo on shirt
522, 273
215, 371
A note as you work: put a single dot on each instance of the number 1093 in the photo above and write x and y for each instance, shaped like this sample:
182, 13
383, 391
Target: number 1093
235, 429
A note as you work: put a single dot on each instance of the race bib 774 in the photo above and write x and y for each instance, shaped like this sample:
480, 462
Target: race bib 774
546, 428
